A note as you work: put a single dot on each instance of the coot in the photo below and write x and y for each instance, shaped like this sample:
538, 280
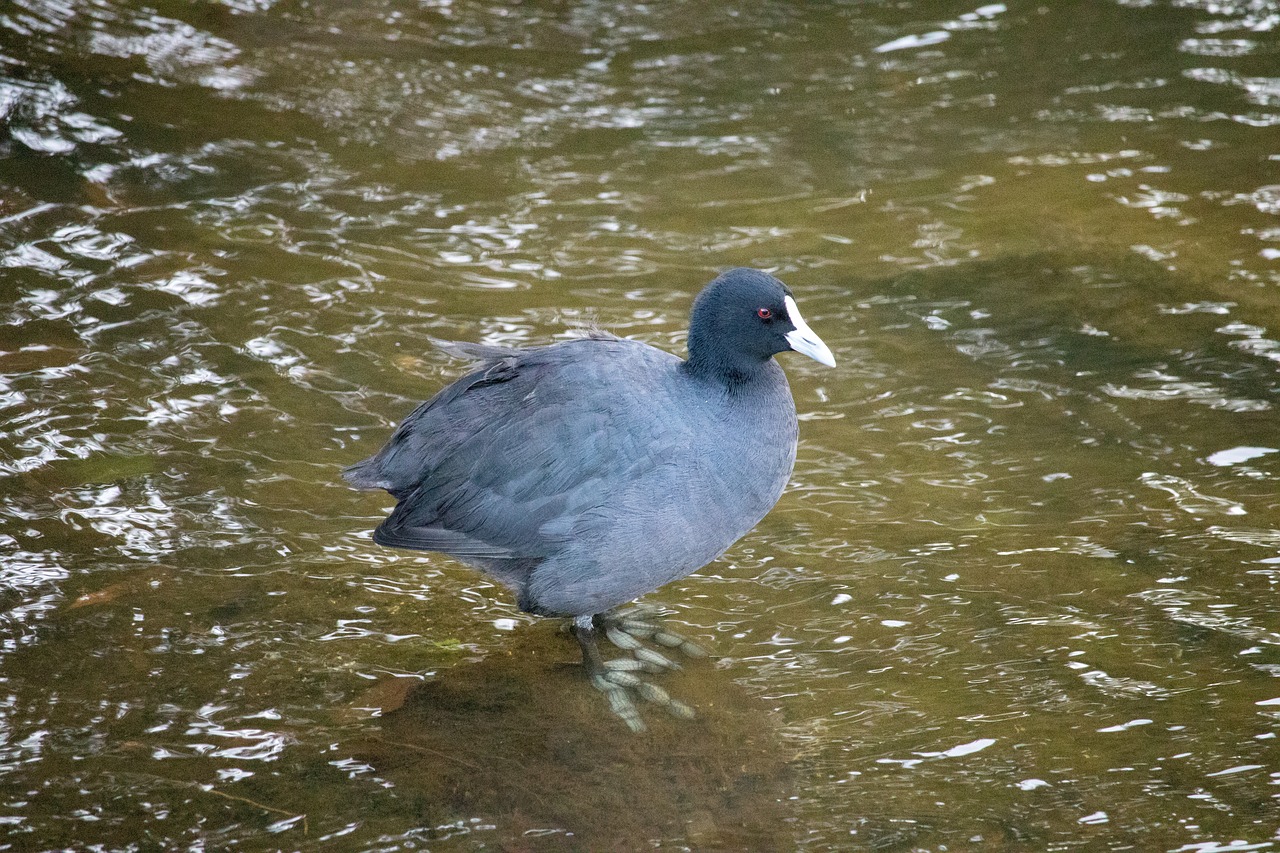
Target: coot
587, 473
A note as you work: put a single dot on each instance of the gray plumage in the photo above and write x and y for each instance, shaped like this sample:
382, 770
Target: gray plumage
586, 473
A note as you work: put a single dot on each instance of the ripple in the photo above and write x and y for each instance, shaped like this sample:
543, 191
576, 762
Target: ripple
980, 18
1117, 686
173, 50
1218, 47
1197, 392
1263, 91
1189, 498
1208, 611
42, 117
247, 743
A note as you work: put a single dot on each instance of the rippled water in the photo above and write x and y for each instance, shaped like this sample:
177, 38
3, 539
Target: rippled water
1021, 593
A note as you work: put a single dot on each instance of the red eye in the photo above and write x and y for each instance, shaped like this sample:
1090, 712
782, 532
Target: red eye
764, 314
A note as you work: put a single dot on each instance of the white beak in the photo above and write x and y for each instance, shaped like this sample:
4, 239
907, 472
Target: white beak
803, 339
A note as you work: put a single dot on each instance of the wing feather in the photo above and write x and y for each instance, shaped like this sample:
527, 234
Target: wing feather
499, 464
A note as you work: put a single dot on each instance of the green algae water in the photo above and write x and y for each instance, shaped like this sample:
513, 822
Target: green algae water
1021, 593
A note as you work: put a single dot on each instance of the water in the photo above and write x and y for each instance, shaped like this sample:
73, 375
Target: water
1020, 594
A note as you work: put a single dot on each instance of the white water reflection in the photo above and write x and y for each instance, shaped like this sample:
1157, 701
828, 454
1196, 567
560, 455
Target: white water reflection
1237, 455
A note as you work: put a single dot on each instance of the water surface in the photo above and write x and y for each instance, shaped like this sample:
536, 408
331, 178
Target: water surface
1020, 593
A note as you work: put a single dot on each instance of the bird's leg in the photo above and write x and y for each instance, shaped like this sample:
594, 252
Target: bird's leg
620, 703
585, 630
617, 679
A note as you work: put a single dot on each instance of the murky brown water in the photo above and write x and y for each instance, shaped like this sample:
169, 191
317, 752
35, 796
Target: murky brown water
1020, 595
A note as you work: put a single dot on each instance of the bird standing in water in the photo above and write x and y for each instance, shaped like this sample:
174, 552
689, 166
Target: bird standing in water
587, 473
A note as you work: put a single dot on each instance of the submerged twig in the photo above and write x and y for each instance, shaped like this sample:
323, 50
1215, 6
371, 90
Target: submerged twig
209, 789
254, 803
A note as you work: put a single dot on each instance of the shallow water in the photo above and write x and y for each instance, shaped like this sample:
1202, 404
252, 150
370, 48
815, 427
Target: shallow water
1021, 593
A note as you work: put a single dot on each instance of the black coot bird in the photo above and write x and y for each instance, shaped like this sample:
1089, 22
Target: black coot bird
587, 473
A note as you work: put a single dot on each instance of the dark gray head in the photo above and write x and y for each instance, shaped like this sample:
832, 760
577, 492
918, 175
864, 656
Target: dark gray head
741, 320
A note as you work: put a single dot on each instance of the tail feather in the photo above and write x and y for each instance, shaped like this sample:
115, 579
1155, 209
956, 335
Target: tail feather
366, 474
